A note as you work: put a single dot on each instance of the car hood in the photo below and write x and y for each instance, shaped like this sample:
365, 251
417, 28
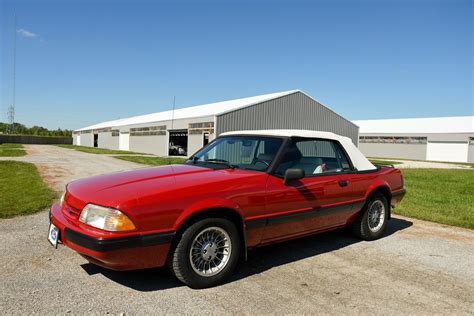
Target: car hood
121, 190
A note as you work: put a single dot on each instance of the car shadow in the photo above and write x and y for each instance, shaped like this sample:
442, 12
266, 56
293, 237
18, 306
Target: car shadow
141, 280
259, 259
268, 257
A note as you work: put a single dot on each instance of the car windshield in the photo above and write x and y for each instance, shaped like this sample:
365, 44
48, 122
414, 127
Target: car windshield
244, 152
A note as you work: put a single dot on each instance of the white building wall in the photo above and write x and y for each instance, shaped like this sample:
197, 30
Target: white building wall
76, 139
87, 140
103, 139
446, 138
403, 151
444, 151
106, 140
470, 155
212, 137
155, 145
195, 142
158, 144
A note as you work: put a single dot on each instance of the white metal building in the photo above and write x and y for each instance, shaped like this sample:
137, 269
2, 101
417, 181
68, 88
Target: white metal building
188, 129
438, 139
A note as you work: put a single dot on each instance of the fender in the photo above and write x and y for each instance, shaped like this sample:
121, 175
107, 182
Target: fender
377, 183
213, 203
207, 204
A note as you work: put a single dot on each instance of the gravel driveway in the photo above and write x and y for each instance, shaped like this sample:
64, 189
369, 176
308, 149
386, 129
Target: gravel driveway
58, 166
418, 267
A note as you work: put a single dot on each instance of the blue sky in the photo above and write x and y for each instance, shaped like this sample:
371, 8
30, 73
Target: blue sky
82, 62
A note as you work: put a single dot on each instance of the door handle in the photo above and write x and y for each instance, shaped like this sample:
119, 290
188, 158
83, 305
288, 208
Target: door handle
343, 183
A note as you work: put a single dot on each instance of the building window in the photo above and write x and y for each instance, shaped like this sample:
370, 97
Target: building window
471, 140
103, 130
199, 128
115, 132
148, 131
393, 139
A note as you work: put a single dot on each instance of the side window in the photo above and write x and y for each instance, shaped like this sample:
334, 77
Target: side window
341, 156
314, 156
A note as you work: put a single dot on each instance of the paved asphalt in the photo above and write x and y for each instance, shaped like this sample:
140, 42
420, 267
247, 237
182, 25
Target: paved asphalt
417, 268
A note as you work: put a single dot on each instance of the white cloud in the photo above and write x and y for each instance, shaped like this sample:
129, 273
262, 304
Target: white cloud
26, 33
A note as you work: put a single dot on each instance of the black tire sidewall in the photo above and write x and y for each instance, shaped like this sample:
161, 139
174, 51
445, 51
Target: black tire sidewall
368, 234
193, 279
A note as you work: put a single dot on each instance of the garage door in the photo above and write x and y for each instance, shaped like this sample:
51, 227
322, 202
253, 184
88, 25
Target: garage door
447, 151
124, 141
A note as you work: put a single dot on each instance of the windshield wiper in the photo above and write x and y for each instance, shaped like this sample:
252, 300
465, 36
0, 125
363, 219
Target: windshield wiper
221, 162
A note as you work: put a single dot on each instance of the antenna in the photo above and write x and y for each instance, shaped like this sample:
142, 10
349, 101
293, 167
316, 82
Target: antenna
172, 126
172, 113
11, 108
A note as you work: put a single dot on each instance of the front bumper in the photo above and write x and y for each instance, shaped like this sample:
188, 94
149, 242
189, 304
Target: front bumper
115, 251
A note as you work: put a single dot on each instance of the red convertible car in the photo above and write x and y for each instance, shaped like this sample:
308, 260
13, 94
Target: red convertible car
243, 190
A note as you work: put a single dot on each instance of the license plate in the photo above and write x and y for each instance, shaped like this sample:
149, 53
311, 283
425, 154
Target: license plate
53, 235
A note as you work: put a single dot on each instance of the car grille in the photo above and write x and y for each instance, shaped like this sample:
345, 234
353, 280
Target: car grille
71, 212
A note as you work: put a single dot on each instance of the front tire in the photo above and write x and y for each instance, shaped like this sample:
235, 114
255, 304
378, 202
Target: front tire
371, 223
206, 253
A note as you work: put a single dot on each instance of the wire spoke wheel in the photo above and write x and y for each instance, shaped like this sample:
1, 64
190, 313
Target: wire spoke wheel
210, 251
376, 215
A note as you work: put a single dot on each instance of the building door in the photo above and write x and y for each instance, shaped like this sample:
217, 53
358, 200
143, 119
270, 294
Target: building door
178, 143
205, 139
124, 141
96, 140
447, 151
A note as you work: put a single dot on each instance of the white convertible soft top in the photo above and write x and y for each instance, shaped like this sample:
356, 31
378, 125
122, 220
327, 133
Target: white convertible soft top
358, 159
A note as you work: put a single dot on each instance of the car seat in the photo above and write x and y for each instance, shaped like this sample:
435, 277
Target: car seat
310, 165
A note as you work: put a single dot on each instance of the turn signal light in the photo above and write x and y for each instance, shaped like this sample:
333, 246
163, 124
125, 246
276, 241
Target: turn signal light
106, 218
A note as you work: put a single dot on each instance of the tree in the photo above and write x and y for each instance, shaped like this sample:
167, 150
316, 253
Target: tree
21, 129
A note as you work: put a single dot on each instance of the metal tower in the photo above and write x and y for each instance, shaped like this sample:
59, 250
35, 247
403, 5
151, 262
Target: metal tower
11, 108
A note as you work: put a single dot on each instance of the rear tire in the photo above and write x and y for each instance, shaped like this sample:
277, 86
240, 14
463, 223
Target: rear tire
371, 223
206, 253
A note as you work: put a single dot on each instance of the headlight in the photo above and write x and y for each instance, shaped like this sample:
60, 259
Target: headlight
105, 218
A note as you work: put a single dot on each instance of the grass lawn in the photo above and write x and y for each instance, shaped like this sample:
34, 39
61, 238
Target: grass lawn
383, 162
439, 195
11, 152
153, 161
94, 150
22, 189
403, 159
10, 145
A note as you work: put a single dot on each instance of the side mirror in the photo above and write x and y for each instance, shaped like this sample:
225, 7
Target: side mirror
293, 174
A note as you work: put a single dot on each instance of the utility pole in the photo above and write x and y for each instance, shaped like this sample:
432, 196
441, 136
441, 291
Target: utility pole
11, 108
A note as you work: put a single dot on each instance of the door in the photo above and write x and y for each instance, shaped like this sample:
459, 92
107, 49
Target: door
178, 143
124, 141
447, 151
205, 139
321, 200
96, 140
